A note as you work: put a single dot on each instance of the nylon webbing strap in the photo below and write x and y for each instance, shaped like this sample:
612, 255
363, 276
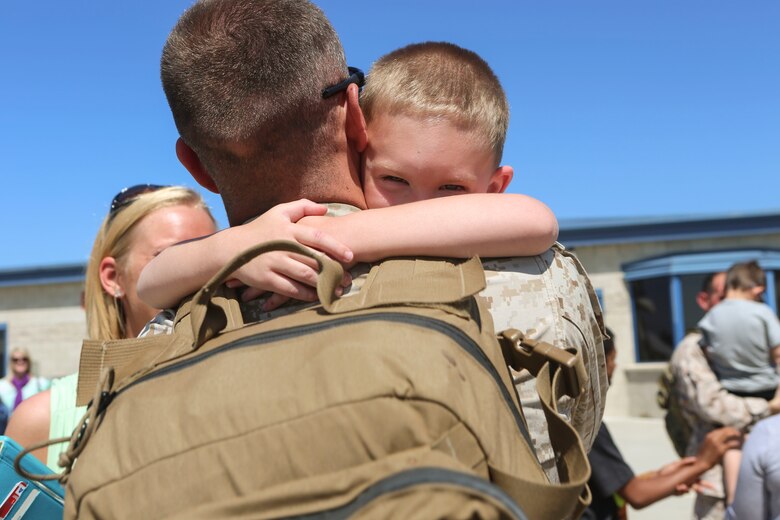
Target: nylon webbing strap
571, 496
415, 281
126, 356
208, 319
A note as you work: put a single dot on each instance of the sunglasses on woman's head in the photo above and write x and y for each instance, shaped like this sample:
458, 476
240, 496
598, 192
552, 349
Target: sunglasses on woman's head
128, 195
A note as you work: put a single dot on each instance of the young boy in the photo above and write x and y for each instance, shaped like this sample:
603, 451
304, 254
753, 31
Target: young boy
436, 119
741, 336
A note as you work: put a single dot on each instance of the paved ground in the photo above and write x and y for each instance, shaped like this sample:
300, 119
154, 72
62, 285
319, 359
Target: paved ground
646, 447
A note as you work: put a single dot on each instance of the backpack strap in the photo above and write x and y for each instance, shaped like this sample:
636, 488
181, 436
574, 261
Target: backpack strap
558, 372
413, 281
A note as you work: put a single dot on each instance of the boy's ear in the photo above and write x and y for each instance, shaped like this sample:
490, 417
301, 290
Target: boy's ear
191, 161
356, 123
500, 179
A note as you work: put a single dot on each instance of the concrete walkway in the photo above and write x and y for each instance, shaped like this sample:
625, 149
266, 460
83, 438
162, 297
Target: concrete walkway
646, 447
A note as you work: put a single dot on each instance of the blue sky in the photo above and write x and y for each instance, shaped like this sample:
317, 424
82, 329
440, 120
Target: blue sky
619, 109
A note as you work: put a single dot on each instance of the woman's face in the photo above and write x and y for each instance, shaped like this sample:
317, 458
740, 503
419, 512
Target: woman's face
158, 230
20, 363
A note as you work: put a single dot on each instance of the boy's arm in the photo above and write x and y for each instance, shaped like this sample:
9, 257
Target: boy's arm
181, 270
484, 224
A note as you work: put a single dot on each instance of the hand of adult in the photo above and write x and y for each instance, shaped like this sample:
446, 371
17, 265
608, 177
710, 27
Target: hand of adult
718, 442
674, 467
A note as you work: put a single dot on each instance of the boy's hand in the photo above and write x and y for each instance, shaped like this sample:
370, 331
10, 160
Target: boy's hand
287, 275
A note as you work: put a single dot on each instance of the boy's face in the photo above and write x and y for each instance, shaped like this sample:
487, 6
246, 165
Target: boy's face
408, 159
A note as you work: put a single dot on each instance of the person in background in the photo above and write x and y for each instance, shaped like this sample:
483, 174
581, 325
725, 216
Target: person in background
758, 486
247, 135
741, 336
20, 383
142, 221
706, 404
613, 483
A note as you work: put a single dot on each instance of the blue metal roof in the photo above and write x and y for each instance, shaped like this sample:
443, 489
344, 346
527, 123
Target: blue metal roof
589, 232
42, 275
672, 264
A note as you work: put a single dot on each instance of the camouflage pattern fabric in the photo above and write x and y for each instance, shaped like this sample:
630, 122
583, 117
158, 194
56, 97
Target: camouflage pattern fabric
706, 405
550, 298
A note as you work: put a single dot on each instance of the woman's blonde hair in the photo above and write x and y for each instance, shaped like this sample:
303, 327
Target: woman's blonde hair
105, 317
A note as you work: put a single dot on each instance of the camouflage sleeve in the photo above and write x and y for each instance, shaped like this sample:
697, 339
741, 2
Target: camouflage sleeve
702, 395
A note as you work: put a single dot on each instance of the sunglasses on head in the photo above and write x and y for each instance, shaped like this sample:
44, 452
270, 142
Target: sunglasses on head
129, 194
356, 76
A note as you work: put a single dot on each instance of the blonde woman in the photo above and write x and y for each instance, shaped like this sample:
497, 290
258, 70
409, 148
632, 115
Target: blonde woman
20, 383
142, 221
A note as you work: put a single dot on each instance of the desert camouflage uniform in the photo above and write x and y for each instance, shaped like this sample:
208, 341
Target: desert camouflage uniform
706, 405
547, 297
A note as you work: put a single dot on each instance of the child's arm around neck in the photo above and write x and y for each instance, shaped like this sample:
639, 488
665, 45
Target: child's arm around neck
484, 224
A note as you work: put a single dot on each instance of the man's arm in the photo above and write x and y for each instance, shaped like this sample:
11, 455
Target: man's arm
484, 224
643, 490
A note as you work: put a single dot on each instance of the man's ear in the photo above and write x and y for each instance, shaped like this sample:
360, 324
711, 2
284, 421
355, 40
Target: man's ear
109, 277
356, 123
703, 300
500, 179
191, 161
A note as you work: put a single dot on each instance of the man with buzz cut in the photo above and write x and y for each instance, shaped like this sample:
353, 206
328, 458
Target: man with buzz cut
244, 81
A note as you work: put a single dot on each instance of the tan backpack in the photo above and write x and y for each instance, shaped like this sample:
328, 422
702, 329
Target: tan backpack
394, 403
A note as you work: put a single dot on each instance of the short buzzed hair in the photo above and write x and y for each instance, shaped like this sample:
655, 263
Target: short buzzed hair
252, 71
440, 81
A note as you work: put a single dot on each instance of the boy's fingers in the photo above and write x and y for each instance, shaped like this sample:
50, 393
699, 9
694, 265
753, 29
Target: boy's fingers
250, 293
274, 301
233, 283
320, 241
298, 209
289, 288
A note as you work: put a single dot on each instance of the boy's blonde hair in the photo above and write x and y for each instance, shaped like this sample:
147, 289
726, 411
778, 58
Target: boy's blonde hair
439, 81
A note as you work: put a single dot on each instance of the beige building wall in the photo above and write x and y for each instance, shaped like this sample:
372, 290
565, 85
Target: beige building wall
634, 384
47, 320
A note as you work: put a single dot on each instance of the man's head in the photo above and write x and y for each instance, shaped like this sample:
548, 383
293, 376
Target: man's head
713, 289
437, 118
747, 279
244, 80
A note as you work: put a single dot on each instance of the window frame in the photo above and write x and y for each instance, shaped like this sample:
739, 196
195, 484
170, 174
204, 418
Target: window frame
675, 265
